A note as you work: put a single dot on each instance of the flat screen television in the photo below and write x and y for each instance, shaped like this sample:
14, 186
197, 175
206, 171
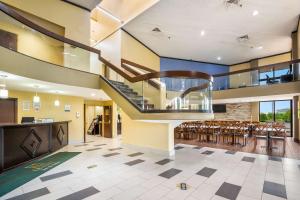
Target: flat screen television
219, 108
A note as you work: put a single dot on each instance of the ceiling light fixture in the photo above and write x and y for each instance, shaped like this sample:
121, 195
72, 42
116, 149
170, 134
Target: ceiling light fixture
3, 90
255, 12
260, 47
202, 33
219, 58
108, 14
93, 94
36, 98
56, 102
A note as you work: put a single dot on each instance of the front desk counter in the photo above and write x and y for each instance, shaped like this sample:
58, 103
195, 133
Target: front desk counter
21, 143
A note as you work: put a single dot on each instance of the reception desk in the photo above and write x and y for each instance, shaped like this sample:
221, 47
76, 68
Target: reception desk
20, 143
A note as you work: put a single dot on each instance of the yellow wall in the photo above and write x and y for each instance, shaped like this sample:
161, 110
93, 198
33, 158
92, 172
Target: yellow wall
274, 59
102, 25
134, 51
61, 13
32, 44
146, 134
48, 110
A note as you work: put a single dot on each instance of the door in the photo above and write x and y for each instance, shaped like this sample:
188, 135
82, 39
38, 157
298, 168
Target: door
8, 110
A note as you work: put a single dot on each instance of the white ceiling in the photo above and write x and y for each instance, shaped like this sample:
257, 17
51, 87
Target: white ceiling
88, 4
183, 21
14, 82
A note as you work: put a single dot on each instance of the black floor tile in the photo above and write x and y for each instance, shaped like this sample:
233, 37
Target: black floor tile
80, 145
82, 194
56, 175
207, 152
99, 145
170, 173
229, 191
197, 148
134, 162
275, 189
135, 154
230, 152
178, 148
248, 159
111, 154
206, 172
91, 166
164, 161
273, 158
93, 149
114, 149
31, 195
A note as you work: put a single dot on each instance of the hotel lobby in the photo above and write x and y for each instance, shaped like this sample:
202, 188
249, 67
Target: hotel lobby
152, 99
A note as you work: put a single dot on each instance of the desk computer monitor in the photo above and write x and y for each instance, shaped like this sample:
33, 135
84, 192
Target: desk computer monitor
27, 120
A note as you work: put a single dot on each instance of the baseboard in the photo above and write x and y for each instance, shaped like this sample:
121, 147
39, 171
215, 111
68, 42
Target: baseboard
149, 150
296, 140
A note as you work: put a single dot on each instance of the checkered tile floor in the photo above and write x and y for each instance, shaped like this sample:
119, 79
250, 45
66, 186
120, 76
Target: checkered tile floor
105, 171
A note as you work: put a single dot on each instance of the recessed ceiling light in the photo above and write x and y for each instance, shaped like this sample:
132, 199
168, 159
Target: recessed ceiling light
202, 33
260, 47
219, 58
255, 12
93, 94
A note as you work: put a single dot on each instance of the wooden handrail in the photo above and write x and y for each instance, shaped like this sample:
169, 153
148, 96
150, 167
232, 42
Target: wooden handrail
193, 89
14, 14
282, 64
137, 65
152, 83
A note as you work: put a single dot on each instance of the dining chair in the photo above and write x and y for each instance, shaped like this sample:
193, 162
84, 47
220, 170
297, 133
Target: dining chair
278, 134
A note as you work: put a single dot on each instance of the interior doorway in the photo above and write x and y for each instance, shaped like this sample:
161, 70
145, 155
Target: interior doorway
93, 120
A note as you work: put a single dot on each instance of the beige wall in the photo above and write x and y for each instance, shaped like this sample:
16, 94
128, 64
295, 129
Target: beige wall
67, 16
48, 110
136, 52
61, 13
275, 59
32, 44
156, 136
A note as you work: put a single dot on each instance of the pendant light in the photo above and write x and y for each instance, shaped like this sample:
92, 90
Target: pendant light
36, 98
56, 102
3, 90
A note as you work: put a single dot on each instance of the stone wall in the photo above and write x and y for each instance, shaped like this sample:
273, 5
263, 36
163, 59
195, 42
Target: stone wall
235, 111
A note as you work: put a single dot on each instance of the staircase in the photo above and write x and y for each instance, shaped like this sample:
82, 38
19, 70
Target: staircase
132, 95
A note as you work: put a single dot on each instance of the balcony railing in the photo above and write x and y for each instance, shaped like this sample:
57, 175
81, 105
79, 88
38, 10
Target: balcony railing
146, 91
265, 75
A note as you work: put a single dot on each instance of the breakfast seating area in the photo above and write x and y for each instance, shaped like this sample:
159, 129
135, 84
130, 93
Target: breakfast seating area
234, 133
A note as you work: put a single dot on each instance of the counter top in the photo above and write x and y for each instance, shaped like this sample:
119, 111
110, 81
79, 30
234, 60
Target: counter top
2, 125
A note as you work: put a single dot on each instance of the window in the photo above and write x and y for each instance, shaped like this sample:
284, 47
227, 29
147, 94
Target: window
277, 111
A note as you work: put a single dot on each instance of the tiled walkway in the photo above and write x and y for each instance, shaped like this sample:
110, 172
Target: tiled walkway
105, 171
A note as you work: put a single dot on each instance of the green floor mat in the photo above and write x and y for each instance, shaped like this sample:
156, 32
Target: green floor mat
16, 177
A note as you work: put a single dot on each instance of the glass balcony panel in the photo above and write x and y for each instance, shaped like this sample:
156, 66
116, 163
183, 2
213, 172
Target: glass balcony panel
27, 41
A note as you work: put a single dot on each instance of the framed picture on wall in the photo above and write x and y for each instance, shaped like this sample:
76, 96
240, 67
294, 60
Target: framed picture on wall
67, 108
26, 105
